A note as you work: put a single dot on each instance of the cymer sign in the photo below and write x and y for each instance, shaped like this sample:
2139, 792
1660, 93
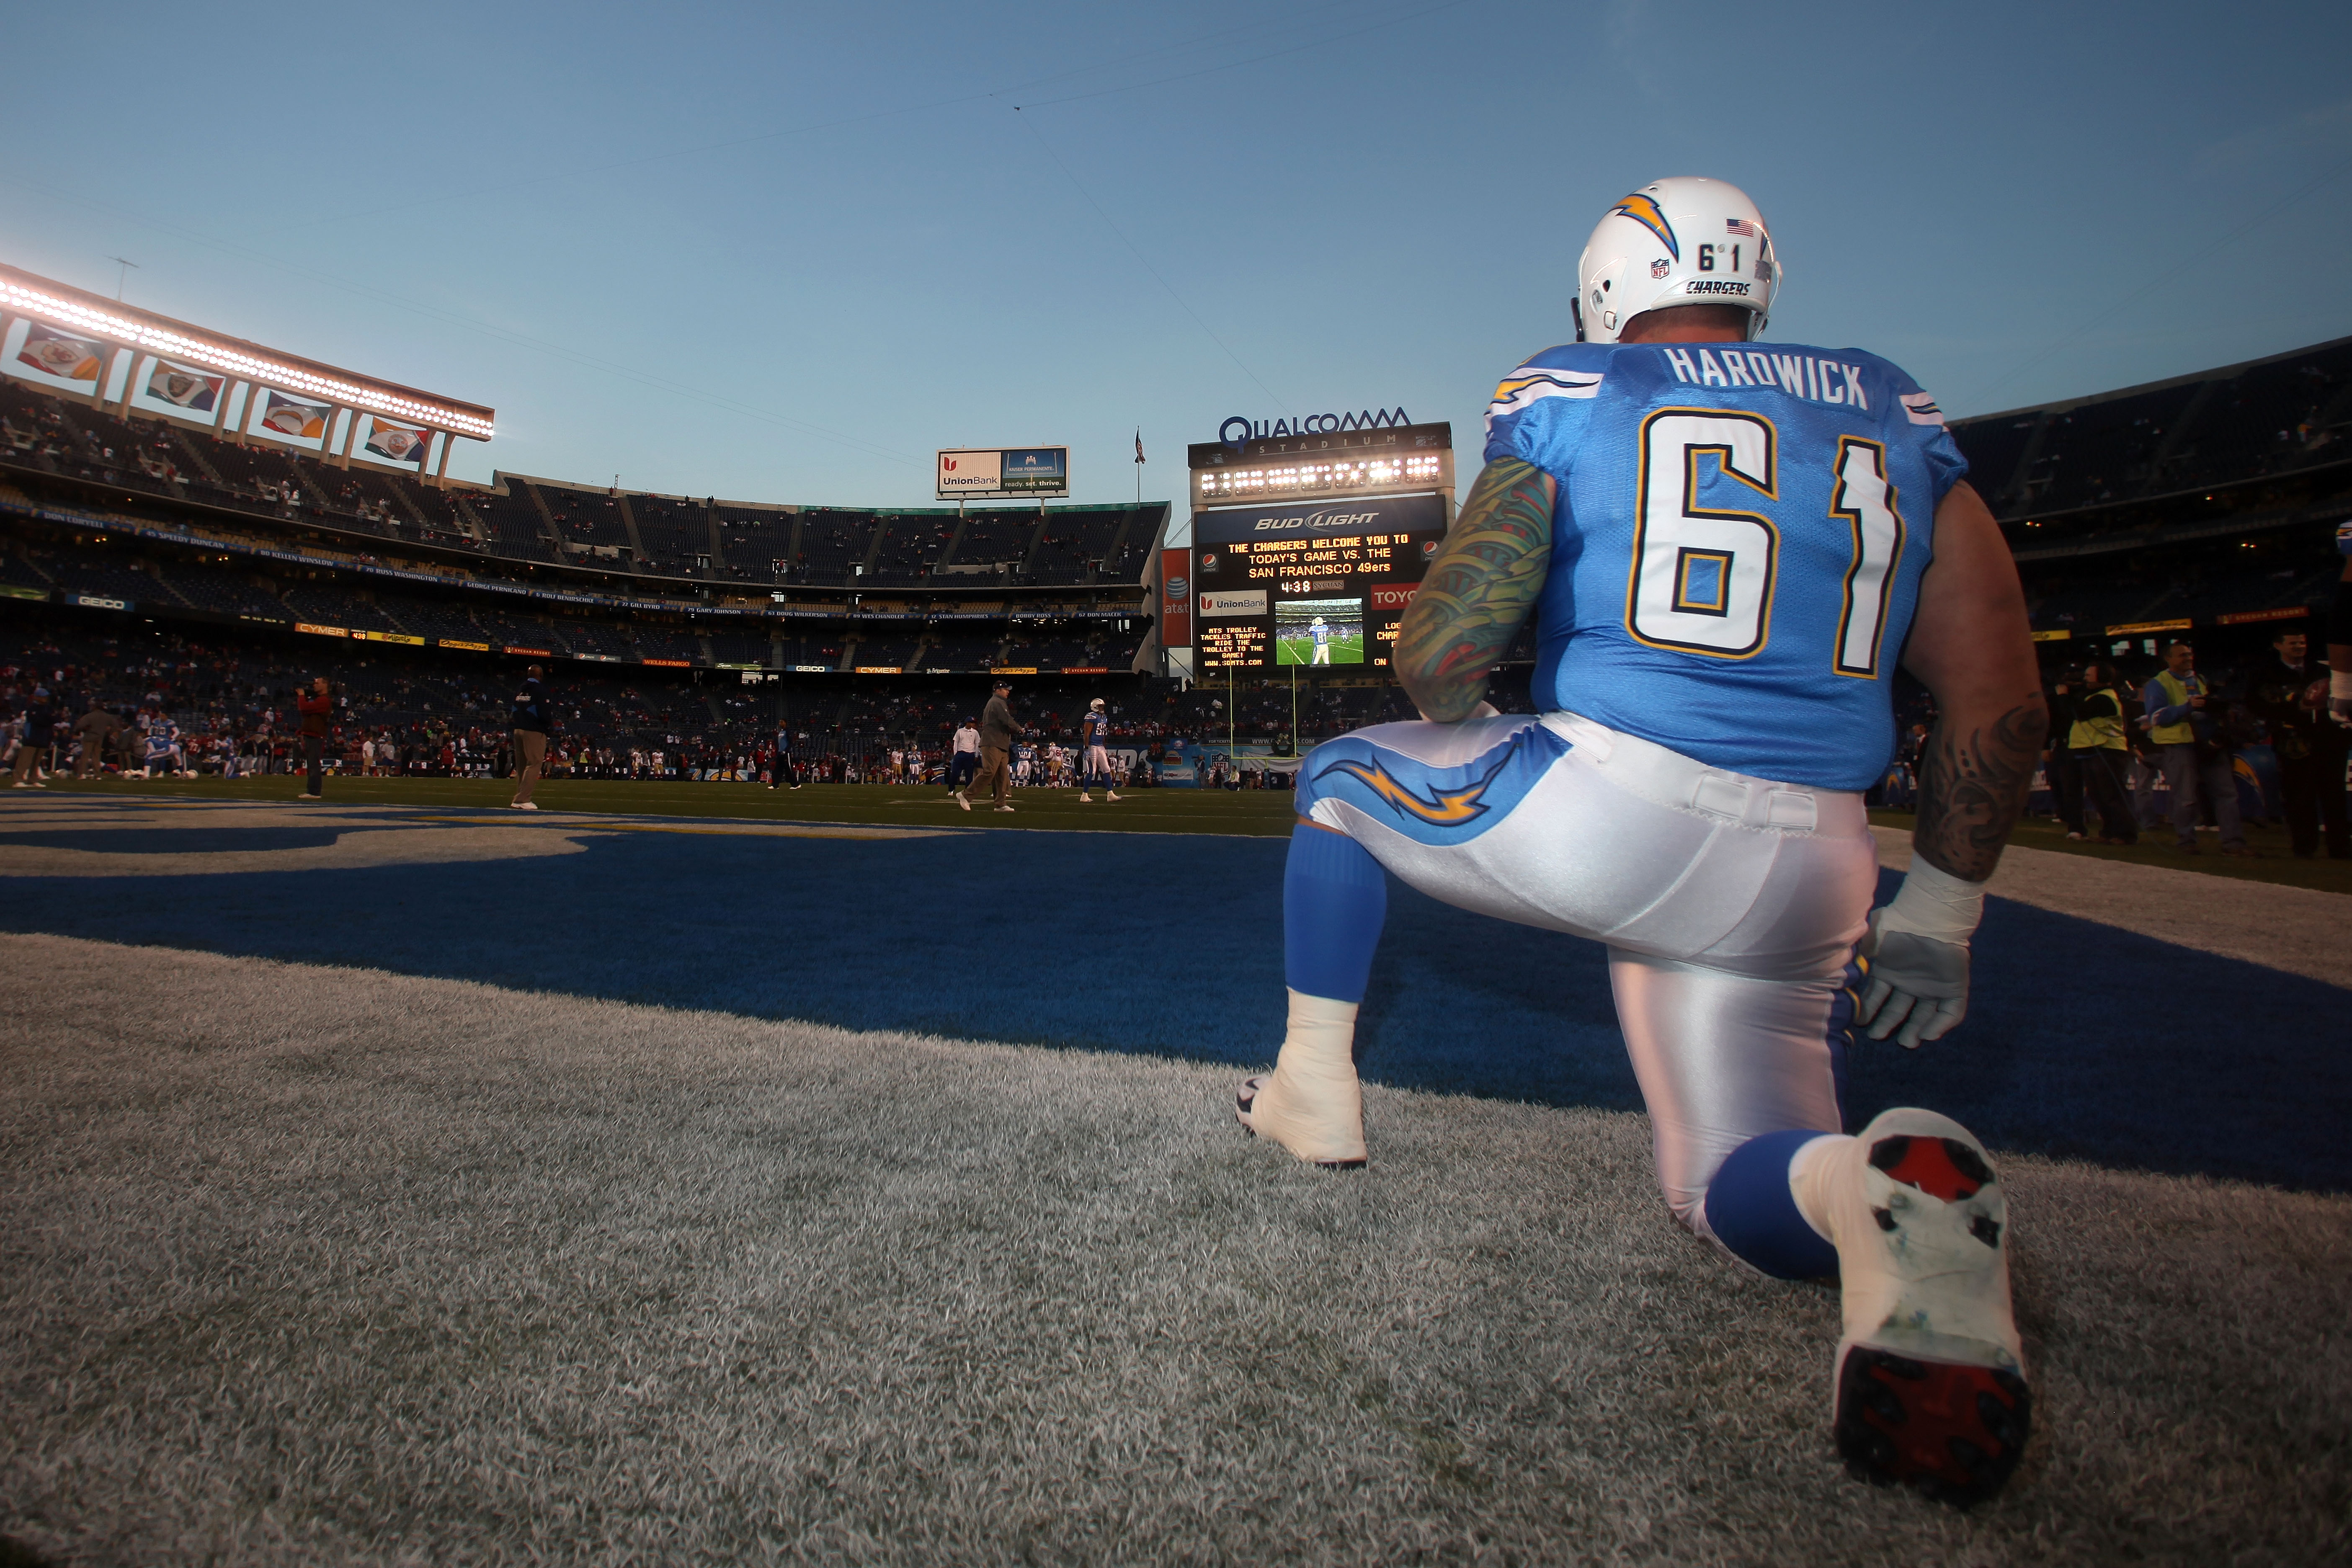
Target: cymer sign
1005, 473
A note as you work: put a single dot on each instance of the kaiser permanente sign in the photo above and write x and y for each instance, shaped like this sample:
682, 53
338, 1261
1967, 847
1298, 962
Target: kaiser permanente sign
1005, 473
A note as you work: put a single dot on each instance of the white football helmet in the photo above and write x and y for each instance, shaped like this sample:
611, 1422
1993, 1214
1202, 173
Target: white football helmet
1683, 241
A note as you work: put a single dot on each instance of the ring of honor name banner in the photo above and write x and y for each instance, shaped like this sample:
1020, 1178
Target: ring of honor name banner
1308, 583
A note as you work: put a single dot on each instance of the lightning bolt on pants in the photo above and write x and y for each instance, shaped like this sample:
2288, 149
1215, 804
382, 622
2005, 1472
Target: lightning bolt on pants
1729, 904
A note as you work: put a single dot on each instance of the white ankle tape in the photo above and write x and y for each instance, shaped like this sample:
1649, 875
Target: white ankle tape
1805, 1170
1321, 1035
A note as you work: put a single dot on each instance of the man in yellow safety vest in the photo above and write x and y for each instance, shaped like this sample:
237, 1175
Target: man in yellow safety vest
2101, 756
2192, 752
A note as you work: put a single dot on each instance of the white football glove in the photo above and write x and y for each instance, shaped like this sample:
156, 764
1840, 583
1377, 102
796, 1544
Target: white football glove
1917, 950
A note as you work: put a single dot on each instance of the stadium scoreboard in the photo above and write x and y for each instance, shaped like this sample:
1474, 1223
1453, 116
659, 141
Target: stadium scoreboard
1307, 549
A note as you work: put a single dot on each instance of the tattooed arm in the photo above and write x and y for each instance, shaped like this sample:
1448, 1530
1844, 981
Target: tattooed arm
1480, 587
1971, 644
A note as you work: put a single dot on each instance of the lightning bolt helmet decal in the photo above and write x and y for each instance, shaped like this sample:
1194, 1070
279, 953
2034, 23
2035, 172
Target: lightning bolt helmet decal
1644, 211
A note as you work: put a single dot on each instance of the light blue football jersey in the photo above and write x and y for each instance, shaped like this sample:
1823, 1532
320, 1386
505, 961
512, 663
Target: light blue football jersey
1737, 547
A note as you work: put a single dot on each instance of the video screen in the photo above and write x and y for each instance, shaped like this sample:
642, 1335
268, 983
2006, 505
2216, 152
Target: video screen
1318, 631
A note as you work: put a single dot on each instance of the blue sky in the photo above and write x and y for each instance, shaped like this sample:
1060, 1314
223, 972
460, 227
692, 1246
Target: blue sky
783, 252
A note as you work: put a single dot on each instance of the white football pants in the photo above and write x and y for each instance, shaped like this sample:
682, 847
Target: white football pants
1730, 905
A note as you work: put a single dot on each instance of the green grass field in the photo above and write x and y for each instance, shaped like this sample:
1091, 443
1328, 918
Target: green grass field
1347, 650
1256, 813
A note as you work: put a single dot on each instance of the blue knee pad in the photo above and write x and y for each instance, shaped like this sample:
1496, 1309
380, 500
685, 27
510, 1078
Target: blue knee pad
1334, 898
1752, 1212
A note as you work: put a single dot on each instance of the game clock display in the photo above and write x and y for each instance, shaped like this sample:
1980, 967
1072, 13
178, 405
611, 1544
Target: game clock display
1309, 585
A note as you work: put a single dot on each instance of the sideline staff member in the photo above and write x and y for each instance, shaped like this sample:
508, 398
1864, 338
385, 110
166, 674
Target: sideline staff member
529, 723
2101, 756
317, 706
998, 730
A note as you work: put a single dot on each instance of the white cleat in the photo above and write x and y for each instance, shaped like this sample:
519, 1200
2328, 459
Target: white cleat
1931, 1387
1085, 796
1311, 1103
522, 805
961, 801
1111, 794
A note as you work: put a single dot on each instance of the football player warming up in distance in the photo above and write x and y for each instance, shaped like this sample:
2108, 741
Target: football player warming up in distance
1097, 741
1728, 550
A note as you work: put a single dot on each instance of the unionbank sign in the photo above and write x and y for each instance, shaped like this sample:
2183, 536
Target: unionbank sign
1001, 473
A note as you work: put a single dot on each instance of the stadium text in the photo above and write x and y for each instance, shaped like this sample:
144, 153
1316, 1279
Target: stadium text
1239, 428
1799, 375
1320, 519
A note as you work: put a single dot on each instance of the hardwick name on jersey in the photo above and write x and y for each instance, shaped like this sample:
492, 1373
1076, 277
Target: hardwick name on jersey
1738, 545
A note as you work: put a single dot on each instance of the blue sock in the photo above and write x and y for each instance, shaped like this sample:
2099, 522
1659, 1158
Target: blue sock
1334, 898
1752, 1212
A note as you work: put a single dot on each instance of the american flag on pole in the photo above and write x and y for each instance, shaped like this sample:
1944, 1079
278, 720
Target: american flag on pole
1139, 446
1740, 225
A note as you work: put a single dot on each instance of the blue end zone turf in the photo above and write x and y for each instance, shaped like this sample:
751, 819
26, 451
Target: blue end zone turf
2081, 1040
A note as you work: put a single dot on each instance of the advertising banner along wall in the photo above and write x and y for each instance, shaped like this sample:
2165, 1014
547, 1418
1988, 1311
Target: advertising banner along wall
62, 354
1005, 473
1176, 598
396, 442
295, 419
190, 391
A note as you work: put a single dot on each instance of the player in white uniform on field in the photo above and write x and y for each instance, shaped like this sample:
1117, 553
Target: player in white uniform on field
1094, 735
1728, 551
1321, 633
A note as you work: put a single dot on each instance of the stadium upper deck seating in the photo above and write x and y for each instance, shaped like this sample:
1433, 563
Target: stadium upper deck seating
585, 520
676, 535
758, 544
996, 539
581, 526
1071, 547
834, 546
515, 526
2199, 499
2225, 426
909, 545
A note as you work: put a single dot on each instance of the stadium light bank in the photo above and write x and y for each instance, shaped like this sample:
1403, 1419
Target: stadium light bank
128, 329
